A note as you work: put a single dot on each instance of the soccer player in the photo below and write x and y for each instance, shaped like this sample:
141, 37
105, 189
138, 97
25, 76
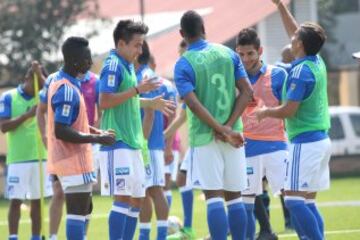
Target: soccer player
153, 125
121, 112
207, 76
69, 136
17, 111
266, 147
305, 110
90, 91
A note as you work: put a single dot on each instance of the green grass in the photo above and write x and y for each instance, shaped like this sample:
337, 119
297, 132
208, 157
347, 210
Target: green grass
337, 218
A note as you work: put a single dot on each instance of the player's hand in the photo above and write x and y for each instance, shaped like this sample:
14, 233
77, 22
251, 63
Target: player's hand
147, 85
106, 139
232, 137
168, 156
36, 67
276, 2
31, 113
167, 107
260, 113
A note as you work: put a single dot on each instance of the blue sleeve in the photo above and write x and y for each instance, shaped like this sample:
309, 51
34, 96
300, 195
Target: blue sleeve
44, 91
301, 83
5, 106
65, 104
239, 69
184, 77
278, 77
183, 106
111, 77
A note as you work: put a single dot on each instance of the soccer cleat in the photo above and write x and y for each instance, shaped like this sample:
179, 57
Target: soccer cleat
267, 236
183, 234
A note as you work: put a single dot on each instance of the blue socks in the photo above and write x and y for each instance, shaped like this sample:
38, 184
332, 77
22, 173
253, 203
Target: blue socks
304, 219
75, 227
162, 226
144, 233
117, 219
187, 197
35, 237
311, 205
237, 219
13, 237
216, 218
130, 223
168, 195
251, 222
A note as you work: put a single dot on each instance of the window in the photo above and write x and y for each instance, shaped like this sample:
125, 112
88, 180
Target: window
346, 6
355, 122
336, 131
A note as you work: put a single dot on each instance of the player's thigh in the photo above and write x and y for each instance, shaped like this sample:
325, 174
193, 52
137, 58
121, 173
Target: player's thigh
138, 186
105, 163
34, 181
275, 169
207, 167
235, 177
17, 181
155, 170
322, 182
255, 173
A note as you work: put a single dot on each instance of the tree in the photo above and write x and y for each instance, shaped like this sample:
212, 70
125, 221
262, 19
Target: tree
33, 29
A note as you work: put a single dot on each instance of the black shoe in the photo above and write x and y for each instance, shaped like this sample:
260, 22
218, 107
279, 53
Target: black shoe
267, 236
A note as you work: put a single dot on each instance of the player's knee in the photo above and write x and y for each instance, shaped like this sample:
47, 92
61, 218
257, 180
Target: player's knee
15, 203
231, 195
181, 179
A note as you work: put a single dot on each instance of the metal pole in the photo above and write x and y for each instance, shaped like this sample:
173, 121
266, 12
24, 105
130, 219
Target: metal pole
142, 10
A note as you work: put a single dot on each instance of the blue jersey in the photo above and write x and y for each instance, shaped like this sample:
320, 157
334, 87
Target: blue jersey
56, 76
5, 102
257, 147
156, 139
302, 82
286, 66
111, 76
184, 74
66, 101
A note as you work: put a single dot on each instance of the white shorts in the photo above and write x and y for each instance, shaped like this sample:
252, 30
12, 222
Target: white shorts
272, 165
96, 157
23, 181
173, 166
218, 166
77, 180
307, 168
122, 173
185, 164
155, 170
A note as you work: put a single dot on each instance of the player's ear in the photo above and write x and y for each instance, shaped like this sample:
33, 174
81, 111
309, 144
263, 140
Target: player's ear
181, 33
261, 50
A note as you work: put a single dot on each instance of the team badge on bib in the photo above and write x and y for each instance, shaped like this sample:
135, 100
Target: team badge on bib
111, 80
66, 110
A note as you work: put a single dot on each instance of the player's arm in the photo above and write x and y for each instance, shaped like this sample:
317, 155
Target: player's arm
286, 110
242, 100
148, 122
10, 124
176, 124
287, 18
167, 107
41, 120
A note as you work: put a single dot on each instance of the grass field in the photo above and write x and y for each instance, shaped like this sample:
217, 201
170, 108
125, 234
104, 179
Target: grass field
340, 207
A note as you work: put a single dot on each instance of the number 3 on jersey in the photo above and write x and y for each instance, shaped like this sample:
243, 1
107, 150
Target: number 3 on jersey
222, 103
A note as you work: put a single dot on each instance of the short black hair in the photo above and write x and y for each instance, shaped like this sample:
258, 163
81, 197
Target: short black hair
144, 57
192, 24
312, 36
248, 36
72, 46
125, 29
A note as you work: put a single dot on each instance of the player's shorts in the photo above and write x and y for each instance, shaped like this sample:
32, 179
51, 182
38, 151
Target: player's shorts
173, 166
307, 168
218, 166
122, 173
79, 181
272, 165
185, 164
23, 181
95, 153
155, 170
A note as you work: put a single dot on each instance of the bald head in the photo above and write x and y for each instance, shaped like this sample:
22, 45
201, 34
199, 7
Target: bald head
286, 54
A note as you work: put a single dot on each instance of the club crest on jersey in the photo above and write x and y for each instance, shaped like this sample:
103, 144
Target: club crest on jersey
66, 110
111, 80
293, 86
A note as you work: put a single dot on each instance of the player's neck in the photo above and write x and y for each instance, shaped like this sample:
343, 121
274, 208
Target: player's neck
70, 71
255, 69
